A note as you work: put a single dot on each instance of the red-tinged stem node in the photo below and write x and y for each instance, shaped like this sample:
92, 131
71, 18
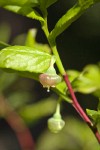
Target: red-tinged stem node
79, 109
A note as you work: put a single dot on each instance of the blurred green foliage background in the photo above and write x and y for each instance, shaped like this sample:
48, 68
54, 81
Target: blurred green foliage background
78, 46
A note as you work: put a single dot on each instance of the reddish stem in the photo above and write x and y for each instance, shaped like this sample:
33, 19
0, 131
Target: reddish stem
17, 124
79, 109
22, 132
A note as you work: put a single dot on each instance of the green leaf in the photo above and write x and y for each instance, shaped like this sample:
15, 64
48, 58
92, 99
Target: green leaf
72, 74
19, 2
14, 5
32, 3
89, 80
25, 11
26, 59
65, 21
86, 82
3, 45
42, 47
61, 90
31, 42
95, 115
30, 38
36, 111
76, 135
69, 17
46, 3
28, 74
86, 3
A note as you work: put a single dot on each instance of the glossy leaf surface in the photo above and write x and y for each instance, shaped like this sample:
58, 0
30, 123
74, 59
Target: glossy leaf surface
45, 3
19, 2
25, 11
65, 21
95, 115
70, 16
22, 58
89, 80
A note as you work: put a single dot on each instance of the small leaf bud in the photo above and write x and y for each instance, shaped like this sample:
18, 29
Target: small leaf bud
55, 125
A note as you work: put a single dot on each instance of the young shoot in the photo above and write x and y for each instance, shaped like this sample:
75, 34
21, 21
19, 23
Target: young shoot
56, 123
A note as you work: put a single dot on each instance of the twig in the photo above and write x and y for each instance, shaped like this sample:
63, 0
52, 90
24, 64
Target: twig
23, 134
79, 109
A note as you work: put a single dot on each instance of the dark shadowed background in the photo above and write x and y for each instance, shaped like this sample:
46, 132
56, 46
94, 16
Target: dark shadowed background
78, 46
